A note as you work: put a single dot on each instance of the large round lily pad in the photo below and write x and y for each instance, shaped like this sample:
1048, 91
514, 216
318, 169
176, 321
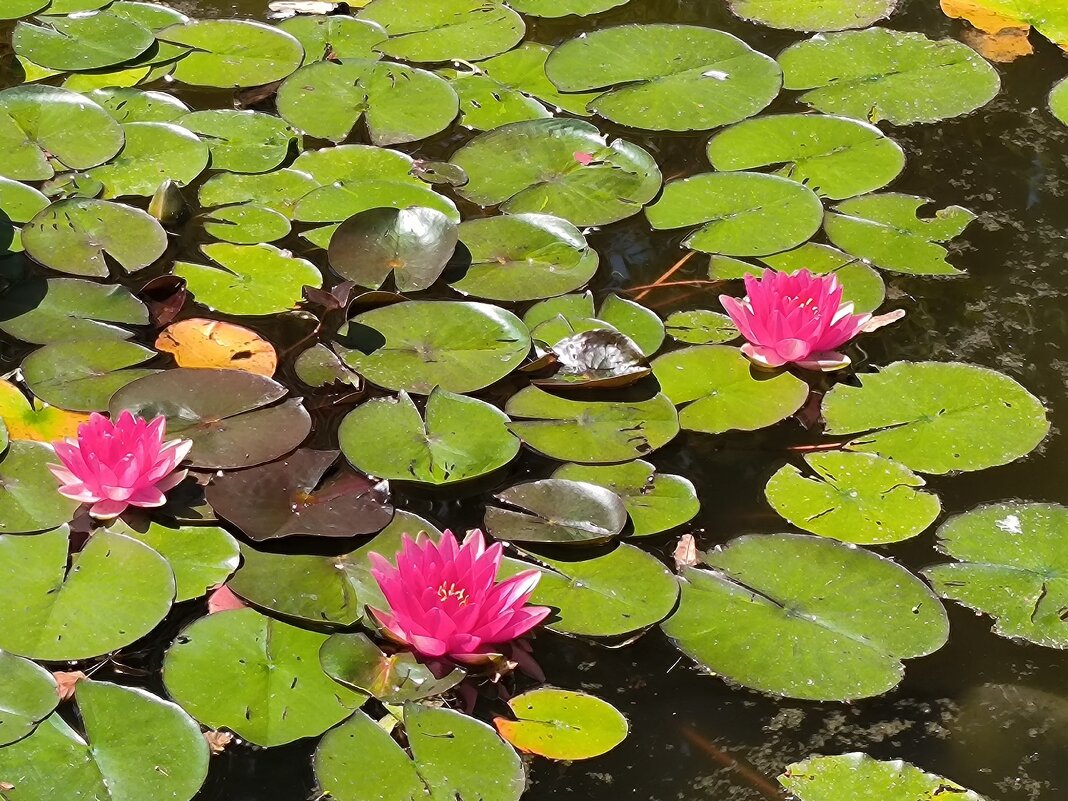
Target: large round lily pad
1011, 566
517, 257
249, 279
29, 501
938, 417
591, 432
853, 497
858, 776
835, 157
814, 15
82, 375
28, 694
774, 606
81, 41
561, 724
258, 677
446, 29
418, 345
115, 760
280, 190
154, 152
879, 74
241, 141
66, 309
452, 756
556, 511
741, 213
228, 414
721, 391
335, 37
609, 595
114, 592
569, 169
246, 224
229, 53
81, 236
666, 77
522, 70
38, 122
456, 438
290, 498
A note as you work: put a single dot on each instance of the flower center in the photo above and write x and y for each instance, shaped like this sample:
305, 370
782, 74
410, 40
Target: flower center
450, 590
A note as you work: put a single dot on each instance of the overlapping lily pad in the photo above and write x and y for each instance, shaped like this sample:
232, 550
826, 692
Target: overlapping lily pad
81, 41
28, 694
879, 74
522, 69
1058, 101
814, 15
563, 8
937, 417
418, 345
82, 375
768, 596
666, 77
132, 105
336, 37
154, 152
853, 497
829, 778
247, 224
557, 318
570, 170
241, 141
279, 190
230, 53
741, 213
591, 432
256, 676
445, 30
720, 391
224, 413
556, 511
29, 419
700, 327
459, 439
354, 660
29, 501
1011, 560
116, 590
22, 8
67, 309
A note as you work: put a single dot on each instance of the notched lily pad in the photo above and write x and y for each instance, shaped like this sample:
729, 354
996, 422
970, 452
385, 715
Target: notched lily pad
445, 30
355, 661
230, 53
556, 511
562, 724
66, 309
829, 778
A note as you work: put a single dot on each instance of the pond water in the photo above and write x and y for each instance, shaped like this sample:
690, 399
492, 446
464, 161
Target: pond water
988, 712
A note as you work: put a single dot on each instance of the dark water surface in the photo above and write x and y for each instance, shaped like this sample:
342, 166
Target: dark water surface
989, 713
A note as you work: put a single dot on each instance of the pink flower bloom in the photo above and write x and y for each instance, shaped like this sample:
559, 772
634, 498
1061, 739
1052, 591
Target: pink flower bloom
798, 318
445, 602
115, 465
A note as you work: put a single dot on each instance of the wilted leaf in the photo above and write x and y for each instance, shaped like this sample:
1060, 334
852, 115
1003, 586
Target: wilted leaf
197, 342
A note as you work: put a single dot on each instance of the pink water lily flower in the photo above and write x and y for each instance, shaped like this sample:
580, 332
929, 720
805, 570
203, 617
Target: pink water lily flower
798, 318
445, 600
116, 465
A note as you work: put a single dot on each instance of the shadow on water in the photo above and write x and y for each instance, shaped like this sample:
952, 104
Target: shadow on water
990, 713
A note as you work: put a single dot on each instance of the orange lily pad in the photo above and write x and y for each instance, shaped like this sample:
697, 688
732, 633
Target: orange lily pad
198, 342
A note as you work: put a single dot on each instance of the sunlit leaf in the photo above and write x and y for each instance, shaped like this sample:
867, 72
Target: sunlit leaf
35, 421
230, 53
858, 776
556, 511
196, 342
561, 724
446, 29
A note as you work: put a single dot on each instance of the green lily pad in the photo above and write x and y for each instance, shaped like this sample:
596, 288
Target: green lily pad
247, 224
486, 103
741, 213
39, 122
835, 157
30, 501
67, 309
154, 152
774, 605
1011, 560
396, 102
522, 257
461, 438
557, 318
814, 15
861, 285
879, 74
81, 41
224, 412
937, 417
666, 77
115, 759
853, 497
336, 37
249, 279
280, 190
591, 432
355, 661
609, 595
418, 345
258, 677
562, 724
1058, 101
858, 776
721, 391
16, 9
522, 69
201, 557
153, 16
74, 6
241, 141
82, 375
453, 756
19, 204
569, 169
318, 366
350, 163
563, 8
81, 236
114, 593
636, 321
414, 244
28, 694
343, 200
229, 53
700, 327
293, 497
886, 231
114, 78
445, 30
133, 105
556, 511
656, 502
